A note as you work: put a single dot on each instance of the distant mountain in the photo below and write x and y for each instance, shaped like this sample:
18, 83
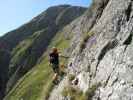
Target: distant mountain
56, 16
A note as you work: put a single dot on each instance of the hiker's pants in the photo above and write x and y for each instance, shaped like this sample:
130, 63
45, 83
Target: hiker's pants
55, 68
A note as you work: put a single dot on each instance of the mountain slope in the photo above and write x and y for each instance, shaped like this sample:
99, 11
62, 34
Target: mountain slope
27, 43
37, 83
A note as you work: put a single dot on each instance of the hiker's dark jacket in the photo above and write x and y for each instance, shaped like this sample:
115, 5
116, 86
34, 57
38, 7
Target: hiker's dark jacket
54, 58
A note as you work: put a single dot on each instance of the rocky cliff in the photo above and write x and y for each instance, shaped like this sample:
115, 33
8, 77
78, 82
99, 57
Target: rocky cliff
102, 60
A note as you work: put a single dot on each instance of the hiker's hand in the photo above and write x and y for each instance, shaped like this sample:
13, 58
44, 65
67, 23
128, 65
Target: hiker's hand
64, 56
60, 55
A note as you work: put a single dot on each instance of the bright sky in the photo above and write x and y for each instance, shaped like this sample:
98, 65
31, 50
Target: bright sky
14, 13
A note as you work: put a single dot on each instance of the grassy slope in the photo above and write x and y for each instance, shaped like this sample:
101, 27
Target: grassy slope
21, 51
37, 83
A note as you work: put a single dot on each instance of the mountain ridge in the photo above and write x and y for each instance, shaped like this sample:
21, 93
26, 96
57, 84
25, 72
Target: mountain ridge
29, 28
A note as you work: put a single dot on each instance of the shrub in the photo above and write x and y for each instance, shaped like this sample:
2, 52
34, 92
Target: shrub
71, 77
73, 93
76, 94
91, 91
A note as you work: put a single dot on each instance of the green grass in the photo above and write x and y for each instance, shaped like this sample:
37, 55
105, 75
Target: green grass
21, 52
37, 83
76, 94
32, 84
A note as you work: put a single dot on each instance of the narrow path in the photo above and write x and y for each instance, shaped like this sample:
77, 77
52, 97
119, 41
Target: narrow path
56, 93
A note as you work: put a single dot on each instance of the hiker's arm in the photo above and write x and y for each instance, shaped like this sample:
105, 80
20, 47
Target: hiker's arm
61, 55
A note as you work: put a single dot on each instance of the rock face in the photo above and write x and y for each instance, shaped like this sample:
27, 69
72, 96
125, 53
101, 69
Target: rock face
107, 57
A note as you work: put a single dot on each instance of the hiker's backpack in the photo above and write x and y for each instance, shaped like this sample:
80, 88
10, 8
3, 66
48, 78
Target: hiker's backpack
54, 58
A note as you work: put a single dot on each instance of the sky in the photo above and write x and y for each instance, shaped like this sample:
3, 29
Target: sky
14, 13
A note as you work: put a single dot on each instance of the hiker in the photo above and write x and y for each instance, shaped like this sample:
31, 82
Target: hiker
55, 64
54, 60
